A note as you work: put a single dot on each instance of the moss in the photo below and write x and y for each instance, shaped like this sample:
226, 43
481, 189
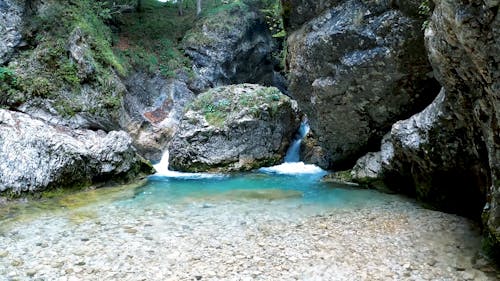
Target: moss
47, 70
491, 247
10, 93
218, 104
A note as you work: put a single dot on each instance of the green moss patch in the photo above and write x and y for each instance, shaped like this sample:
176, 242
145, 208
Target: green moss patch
218, 104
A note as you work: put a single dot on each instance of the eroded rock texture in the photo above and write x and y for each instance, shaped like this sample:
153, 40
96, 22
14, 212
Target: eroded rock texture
238, 127
355, 69
36, 156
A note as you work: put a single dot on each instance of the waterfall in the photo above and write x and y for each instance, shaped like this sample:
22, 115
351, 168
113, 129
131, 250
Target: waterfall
293, 153
292, 165
163, 171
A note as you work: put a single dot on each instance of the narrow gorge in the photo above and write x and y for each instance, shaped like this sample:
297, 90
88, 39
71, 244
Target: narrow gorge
251, 140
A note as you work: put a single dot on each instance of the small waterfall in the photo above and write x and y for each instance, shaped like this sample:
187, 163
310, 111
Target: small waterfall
162, 166
292, 165
293, 153
162, 171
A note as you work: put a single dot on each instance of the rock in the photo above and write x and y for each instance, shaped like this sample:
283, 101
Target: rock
433, 155
355, 69
298, 12
463, 43
233, 47
153, 107
35, 156
312, 153
79, 50
449, 154
11, 21
239, 127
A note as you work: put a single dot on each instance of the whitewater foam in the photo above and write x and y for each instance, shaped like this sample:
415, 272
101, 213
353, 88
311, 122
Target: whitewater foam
162, 171
294, 168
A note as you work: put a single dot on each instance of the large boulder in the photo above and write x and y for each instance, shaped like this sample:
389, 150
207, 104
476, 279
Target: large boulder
232, 128
35, 156
355, 69
11, 22
234, 46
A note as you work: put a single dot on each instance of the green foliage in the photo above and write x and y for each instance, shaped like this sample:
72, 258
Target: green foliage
48, 70
273, 12
149, 40
9, 88
425, 11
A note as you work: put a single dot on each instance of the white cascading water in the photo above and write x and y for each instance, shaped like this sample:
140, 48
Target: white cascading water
292, 165
163, 171
293, 153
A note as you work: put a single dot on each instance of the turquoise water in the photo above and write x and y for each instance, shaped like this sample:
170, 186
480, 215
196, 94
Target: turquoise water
256, 187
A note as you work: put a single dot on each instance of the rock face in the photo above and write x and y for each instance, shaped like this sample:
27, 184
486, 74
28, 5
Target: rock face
235, 47
11, 12
463, 39
356, 69
449, 154
35, 156
153, 108
435, 156
239, 127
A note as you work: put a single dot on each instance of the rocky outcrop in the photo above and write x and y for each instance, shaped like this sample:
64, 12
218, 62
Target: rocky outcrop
153, 108
35, 156
11, 12
298, 12
463, 39
232, 128
233, 47
449, 154
355, 70
435, 156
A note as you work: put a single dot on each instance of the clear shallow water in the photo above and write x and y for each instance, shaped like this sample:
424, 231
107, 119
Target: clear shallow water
252, 226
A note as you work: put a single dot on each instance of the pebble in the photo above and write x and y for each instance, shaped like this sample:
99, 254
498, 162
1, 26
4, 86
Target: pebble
393, 241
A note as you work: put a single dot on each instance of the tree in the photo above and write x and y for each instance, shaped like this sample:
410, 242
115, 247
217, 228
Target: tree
179, 3
138, 6
198, 7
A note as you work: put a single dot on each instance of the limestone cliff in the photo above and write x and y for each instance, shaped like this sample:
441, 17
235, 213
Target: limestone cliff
449, 153
356, 68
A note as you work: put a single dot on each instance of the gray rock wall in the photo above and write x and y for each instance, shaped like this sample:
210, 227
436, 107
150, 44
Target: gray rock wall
449, 154
355, 69
11, 21
234, 47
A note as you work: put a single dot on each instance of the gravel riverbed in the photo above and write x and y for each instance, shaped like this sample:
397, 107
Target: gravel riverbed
391, 238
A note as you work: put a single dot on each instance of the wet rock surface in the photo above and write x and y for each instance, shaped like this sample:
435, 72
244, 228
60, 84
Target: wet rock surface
355, 69
238, 127
35, 156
